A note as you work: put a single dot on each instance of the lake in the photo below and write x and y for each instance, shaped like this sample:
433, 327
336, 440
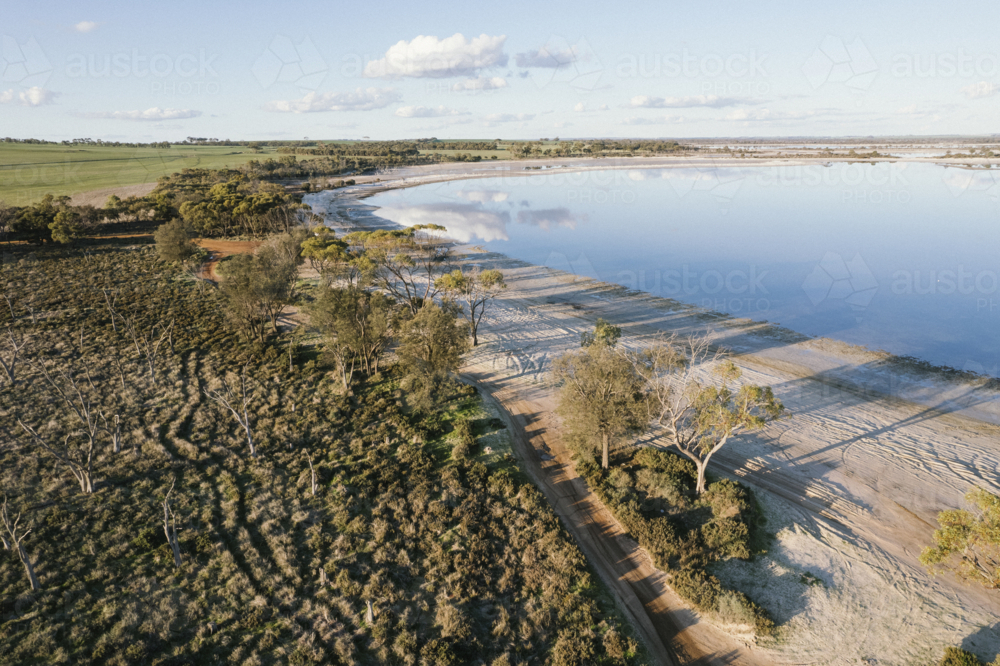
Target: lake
895, 256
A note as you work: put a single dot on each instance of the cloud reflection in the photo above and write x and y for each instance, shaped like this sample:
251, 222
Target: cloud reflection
483, 196
547, 218
464, 222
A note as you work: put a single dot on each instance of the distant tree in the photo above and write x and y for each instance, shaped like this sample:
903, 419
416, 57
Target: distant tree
967, 543
476, 289
600, 397
699, 419
173, 241
431, 347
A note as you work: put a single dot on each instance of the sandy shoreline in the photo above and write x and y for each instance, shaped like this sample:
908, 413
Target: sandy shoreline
852, 483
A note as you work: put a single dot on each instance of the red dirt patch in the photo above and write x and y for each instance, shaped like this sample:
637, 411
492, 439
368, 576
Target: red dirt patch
220, 249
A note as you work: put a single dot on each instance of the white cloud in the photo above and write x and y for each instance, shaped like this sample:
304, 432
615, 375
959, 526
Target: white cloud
580, 107
603, 107
154, 113
85, 26
428, 112
427, 56
980, 90
480, 83
361, 99
662, 120
508, 117
711, 101
907, 110
35, 96
548, 57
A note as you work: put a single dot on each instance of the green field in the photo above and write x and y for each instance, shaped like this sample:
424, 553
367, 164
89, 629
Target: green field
30, 171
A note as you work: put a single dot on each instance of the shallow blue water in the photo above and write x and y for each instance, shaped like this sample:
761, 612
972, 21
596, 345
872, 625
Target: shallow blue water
900, 257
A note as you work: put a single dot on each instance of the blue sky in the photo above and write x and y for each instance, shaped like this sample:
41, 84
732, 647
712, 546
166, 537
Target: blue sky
521, 70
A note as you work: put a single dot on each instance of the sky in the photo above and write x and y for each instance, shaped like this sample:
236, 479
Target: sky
511, 70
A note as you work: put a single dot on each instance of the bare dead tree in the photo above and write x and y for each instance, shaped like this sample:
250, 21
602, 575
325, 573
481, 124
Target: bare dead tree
10, 306
116, 357
170, 527
68, 392
114, 430
238, 405
82, 471
14, 343
312, 473
111, 307
148, 344
17, 535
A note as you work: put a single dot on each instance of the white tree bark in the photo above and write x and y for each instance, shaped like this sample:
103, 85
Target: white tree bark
170, 528
17, 535
238, 406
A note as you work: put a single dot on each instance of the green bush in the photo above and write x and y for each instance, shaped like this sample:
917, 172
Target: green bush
954, 656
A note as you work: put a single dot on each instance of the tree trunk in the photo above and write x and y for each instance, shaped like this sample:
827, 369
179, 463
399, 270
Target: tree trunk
702, 466
30, 570
171, 533
604, 451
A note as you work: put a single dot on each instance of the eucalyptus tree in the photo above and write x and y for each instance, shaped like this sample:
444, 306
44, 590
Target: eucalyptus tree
696, 416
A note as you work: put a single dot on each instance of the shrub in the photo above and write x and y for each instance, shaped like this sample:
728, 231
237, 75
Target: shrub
954, 656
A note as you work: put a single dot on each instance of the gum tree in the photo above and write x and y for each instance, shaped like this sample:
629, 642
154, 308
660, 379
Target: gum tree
695, 417
601, 395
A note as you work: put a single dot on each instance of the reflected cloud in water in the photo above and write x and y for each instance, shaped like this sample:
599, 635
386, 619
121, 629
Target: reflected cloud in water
550, 217
484, 196
464, 222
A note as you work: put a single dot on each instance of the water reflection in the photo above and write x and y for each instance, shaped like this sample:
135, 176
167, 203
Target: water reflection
547, 218
465, 222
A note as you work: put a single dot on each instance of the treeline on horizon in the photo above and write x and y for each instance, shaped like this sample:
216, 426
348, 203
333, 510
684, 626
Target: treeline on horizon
411, 148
